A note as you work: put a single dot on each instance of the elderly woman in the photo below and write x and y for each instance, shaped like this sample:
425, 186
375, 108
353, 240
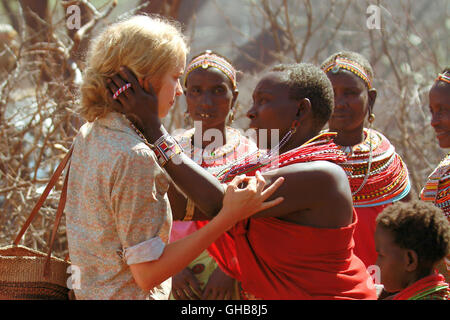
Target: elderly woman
378, 176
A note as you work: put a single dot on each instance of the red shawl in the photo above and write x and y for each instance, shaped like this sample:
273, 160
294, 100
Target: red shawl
433, 285
313, 263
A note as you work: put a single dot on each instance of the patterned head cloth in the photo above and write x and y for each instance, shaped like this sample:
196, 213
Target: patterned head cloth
209, 59
350, 65
444, 77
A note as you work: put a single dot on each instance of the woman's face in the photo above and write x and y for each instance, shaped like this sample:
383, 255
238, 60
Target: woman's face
167, 88
209, 97
390, 260
272, 107
440, 113
351, 101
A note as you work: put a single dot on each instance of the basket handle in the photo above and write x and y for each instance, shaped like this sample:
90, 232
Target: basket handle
44, 196
59, 213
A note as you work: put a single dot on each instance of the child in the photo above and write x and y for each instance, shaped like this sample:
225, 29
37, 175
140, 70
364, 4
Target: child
411, 238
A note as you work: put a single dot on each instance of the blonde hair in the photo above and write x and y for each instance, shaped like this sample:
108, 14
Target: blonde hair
147, 45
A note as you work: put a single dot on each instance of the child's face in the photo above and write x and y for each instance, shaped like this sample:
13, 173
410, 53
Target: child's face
391, 260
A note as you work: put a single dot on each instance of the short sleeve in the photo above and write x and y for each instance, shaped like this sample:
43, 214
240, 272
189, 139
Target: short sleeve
140, 206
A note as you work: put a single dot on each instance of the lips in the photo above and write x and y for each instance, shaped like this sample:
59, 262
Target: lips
441, 134
339, 115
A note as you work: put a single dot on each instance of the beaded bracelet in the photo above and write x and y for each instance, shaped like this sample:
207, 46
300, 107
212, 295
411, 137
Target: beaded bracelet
166, 147
190, 207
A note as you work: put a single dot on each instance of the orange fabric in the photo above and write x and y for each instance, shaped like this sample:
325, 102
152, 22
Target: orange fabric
303, 263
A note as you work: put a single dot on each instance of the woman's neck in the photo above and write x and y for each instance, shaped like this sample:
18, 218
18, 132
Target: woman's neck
350, 138
297, 140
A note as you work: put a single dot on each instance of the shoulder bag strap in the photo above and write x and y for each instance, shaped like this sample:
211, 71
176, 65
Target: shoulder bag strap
44, 196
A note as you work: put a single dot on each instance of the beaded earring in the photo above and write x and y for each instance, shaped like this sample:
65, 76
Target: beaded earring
231, 117
187, 119
294, 126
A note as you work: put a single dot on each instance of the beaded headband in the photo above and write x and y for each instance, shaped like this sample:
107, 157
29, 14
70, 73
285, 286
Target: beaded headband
350, 65
444, 77
209, 59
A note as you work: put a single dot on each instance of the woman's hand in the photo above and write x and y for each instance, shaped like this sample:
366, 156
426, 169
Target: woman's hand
219, 287
241, 202
185, 286
138, 105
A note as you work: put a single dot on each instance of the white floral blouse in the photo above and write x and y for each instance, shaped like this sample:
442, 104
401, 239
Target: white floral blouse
117, 210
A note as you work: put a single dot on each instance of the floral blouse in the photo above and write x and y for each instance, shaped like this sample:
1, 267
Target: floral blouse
117, 210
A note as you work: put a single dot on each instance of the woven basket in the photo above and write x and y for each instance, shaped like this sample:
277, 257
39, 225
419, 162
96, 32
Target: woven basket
27, 274
21, 275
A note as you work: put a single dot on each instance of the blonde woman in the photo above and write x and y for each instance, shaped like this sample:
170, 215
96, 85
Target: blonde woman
118, 214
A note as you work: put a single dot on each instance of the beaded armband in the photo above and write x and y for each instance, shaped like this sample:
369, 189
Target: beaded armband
166, 147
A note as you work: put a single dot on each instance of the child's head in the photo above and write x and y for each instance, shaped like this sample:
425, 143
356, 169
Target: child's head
410, 238
149, 46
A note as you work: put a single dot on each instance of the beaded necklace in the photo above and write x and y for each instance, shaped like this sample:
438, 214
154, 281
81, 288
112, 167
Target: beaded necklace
320, 147
222, 157
437, 187
377, 175
254, 160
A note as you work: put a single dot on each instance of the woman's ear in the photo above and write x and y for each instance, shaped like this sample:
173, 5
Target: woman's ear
372, 97
235, 96
304, 106
411, 260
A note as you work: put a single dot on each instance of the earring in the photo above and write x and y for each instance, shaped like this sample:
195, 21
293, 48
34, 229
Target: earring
231, 118
187, 119
371, 118
294, 126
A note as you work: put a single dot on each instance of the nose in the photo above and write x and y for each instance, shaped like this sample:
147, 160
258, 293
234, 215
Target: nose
179, 89
206, 99
435, 118
339, 100
251, 114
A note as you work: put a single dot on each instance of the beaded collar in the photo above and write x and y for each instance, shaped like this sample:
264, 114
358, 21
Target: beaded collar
233, 141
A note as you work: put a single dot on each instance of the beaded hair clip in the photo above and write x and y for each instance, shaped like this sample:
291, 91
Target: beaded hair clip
444, 77
352, 66
209, 59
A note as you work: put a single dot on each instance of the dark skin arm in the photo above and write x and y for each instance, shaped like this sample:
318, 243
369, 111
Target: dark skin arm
316, 194
178, 203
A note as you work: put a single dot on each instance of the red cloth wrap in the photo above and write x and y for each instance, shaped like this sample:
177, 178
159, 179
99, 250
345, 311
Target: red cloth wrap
303, 263
364, 233
282, 260
429, 282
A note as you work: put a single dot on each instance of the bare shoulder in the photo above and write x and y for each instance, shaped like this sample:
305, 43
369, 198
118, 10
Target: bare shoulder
316, 172
316, 193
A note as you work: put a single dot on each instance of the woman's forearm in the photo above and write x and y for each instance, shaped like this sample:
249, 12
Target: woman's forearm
195, 182
179, 254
